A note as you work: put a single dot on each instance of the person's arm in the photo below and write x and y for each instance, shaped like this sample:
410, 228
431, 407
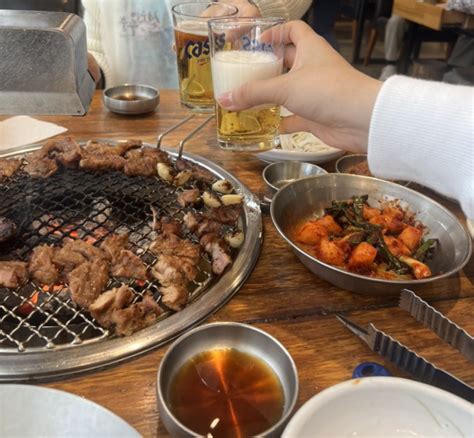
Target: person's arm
423, 131
287, 9
416, 130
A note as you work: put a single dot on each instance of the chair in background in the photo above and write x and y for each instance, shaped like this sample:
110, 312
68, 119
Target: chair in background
382, 12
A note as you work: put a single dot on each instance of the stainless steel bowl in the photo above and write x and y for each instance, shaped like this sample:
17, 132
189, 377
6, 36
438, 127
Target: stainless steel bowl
344, 164
306, 199
131, 99
242, 337
279, 174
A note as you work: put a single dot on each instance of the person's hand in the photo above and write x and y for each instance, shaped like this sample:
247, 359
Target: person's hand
327, 95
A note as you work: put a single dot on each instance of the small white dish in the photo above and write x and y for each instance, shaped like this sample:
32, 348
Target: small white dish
300, 146
383, 407
32, 411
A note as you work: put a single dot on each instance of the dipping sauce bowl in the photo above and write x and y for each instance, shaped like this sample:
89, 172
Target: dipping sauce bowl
131, 99
281, 173
226, 367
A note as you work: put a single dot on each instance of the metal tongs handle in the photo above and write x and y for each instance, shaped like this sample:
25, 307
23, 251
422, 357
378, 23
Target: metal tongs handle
185, 139
182, 122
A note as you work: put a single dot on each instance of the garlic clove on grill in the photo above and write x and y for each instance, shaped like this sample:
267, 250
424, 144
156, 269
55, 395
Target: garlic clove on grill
182, 177
231, 199
222, 186
211, 200
165, 172
235, 239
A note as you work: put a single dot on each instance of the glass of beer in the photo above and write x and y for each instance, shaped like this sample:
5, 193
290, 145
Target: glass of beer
193, 51
243, 50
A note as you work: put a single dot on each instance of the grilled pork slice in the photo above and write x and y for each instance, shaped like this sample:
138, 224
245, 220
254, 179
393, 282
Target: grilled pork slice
218, 250
127, 264
174, 245
41, 266
113, 244
143, 166
99, 148
8, 167
167, 225
170, 269
76, 252
174, 296
87, 281
197, 223
114, 299
40, 166
136, 316
198, 173
157, 155
65, 150
102, 162
228, 214
188, 197
13, 274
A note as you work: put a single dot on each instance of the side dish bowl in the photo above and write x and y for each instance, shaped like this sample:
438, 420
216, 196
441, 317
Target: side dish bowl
307, 198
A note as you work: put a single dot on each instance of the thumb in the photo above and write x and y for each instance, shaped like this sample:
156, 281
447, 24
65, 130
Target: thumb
254, 93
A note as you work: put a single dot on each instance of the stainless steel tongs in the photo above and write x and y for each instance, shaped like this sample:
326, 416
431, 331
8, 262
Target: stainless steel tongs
406, 359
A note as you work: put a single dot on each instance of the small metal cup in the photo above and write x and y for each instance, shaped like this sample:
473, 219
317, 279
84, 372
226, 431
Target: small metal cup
242, 337
131, 99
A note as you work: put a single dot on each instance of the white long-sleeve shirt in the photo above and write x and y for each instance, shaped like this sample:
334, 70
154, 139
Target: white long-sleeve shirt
423, 131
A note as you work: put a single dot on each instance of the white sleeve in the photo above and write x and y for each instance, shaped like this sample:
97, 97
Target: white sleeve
287, 9
422, 131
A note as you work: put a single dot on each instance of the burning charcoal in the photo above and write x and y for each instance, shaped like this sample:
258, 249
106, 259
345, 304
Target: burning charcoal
41, 265
127, 265
7, 229
136, 316
39, 166
102, 162
8, 167
13, 274
87, 281
103, 307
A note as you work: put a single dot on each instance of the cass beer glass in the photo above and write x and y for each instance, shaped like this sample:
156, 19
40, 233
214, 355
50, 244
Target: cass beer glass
244, 50
193, 51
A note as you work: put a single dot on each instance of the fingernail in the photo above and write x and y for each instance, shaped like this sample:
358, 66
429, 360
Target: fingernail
225, 99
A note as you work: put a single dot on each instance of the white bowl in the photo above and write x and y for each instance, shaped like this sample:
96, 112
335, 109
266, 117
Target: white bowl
383, 407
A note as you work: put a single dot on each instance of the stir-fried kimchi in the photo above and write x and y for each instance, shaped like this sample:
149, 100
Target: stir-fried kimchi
384, 242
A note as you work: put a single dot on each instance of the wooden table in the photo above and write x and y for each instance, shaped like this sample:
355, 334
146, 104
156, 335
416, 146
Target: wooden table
281, 296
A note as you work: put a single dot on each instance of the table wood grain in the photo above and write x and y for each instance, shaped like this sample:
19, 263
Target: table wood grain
281, 296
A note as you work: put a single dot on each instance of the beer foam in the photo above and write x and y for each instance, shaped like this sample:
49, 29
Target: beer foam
232, 68
193, 27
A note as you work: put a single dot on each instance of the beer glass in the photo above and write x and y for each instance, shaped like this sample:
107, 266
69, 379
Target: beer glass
192, 51
243, 50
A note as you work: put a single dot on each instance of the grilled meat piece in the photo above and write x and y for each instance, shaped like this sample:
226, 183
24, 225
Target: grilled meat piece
188, 197
8, 167
127, 264
136, 316
113, 244
172, 269
40, 166
157, 155
76, 252
218, 250
199, 174
197, 223
173, 245
87, 281
191, 221
65, 150
174, 296
7, 229
121, 148
103, 307
41, 265
102, 162
167, 225
144, 166
228, 214
13, 274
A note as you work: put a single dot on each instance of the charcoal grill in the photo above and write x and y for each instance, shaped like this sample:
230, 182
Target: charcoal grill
43, 335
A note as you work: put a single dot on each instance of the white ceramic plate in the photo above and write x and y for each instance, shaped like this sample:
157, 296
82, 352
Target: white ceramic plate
383, 407
33, 411
300, 147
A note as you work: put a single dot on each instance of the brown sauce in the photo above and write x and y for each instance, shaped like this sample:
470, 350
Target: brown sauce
130, 97
226, 393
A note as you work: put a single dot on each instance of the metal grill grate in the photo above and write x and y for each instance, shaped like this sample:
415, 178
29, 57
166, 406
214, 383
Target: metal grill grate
86, 205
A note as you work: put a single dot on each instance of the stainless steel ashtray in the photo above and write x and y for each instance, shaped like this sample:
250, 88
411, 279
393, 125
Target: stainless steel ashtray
221, 378
131, 99
281, 173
